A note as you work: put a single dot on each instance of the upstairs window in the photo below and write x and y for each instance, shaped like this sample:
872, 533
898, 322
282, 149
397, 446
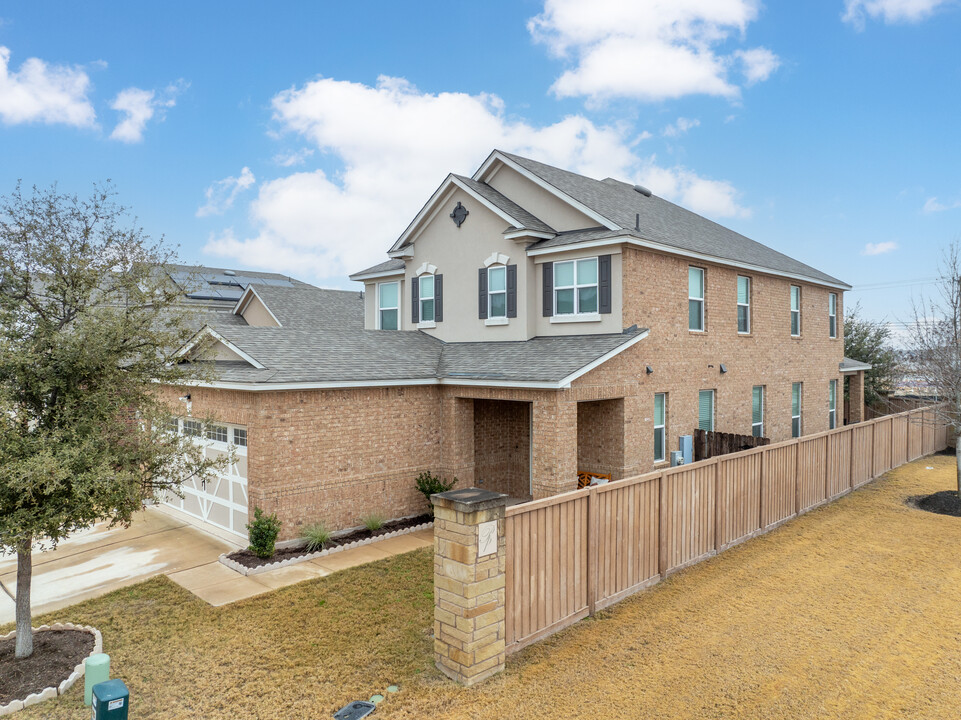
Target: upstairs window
832, 404
217, 433
193, 428
240, 437
832, 315
743, 304
695, 299
705, 410
388, 307
173, 425
426, 298
660, 411
757, 411
497, 292
796, 410
575, 287
795, 311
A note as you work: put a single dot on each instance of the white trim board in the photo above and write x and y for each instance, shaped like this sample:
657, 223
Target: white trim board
249, 294
205, 331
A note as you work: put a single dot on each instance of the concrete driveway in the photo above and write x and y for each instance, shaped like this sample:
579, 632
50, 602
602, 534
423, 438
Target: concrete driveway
96, 561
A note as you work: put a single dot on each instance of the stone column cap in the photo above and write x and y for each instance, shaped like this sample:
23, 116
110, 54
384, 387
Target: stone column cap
469, 500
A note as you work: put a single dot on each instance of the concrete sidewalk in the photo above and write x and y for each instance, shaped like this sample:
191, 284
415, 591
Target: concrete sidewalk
96, 561
218, 585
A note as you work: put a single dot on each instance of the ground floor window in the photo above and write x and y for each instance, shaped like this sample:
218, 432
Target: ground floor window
660, 412
705, 410
832, 404
757, 411
796, 410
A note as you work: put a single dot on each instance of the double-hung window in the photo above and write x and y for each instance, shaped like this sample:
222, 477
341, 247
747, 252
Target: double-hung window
240, 437
757, 411
832, 404
660, 412
388, 307
795, 310
743, 304
497, 291
217, 433
695, 299
705, 410
575, 287
173, 425
426, 297
832, 315
796, 410
193, 428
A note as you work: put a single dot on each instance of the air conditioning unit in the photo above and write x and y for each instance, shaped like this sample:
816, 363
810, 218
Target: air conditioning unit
677, 458
685, 444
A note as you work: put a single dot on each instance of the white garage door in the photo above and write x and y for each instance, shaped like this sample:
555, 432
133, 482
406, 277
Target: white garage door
222, 499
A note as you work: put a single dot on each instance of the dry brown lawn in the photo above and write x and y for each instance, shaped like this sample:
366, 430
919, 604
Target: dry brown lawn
852, 611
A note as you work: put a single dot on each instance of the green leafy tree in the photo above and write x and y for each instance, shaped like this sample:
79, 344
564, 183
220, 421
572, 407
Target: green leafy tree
89, 322
870, 342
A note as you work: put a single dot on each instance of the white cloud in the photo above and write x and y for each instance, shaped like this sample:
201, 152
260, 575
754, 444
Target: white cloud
680, 127
933, 205
891, 12
298, 157
394, 145
879, 248
139, 107
650, 49
40, 92
221, 194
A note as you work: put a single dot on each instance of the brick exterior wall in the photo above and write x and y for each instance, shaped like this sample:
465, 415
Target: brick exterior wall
337, 455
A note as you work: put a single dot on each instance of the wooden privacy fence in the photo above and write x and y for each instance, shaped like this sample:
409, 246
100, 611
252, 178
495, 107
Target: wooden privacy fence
708, 444
571, 555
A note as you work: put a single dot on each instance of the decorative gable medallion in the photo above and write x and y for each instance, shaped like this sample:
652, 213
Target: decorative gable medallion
459, 214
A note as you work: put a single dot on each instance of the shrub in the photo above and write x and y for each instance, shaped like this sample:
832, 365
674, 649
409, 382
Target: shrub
263, 532
317, 536
374, 521
429, 484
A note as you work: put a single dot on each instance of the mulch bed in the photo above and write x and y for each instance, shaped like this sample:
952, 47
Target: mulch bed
945, 502
55, 654
249, 560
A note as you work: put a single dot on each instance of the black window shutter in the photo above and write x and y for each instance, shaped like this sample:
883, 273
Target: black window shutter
414, 304
548, 289
438, 298
512, 291
482, 293
604, 284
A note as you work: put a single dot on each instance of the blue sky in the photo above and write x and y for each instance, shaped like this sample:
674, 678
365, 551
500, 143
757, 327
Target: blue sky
302, 137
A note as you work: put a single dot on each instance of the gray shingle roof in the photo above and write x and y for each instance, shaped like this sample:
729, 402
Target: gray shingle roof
664, 222
386, 266
323, 341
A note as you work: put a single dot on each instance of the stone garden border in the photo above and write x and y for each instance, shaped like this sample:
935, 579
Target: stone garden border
52, 692
233, 565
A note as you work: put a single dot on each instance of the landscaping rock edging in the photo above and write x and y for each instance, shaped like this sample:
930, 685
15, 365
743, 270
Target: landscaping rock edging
243, 570
52, 692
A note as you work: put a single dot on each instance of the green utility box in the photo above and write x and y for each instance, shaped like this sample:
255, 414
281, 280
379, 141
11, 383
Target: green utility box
110, 700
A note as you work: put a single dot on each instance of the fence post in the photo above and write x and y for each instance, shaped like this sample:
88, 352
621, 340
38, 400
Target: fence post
717, 507
874, 428
662, 526
470, 563
851, 474
797, 476
593, 551
760, 492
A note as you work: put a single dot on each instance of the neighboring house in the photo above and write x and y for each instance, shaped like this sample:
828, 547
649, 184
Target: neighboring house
530, 323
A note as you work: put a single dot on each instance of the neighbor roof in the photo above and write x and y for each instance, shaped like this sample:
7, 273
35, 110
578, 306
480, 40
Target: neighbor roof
323, 342
848, 365
660, 221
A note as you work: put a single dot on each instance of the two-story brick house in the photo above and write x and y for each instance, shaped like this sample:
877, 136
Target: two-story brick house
530, 323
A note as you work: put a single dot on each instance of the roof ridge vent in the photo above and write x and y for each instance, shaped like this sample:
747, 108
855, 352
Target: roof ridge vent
642, 190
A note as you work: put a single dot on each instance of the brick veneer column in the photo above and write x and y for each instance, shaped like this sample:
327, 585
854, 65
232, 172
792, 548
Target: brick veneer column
469, 589
555, 446
856, 397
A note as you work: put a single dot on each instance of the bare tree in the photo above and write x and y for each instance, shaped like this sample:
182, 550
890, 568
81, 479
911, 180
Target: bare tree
934, 344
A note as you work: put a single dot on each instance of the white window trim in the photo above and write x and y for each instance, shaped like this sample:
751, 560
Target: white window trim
699, 299
662, 427
499, 319
800, 409
834, 314
578, 316
426, 324
425, 269
400, 302
747, 305
798, 311
762, 411
496, 258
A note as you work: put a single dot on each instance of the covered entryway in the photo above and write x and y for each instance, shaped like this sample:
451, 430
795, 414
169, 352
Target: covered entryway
502, 447
220, 501
600, 438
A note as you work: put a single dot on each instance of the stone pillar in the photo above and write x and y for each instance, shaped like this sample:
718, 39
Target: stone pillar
856, 397
470, 562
